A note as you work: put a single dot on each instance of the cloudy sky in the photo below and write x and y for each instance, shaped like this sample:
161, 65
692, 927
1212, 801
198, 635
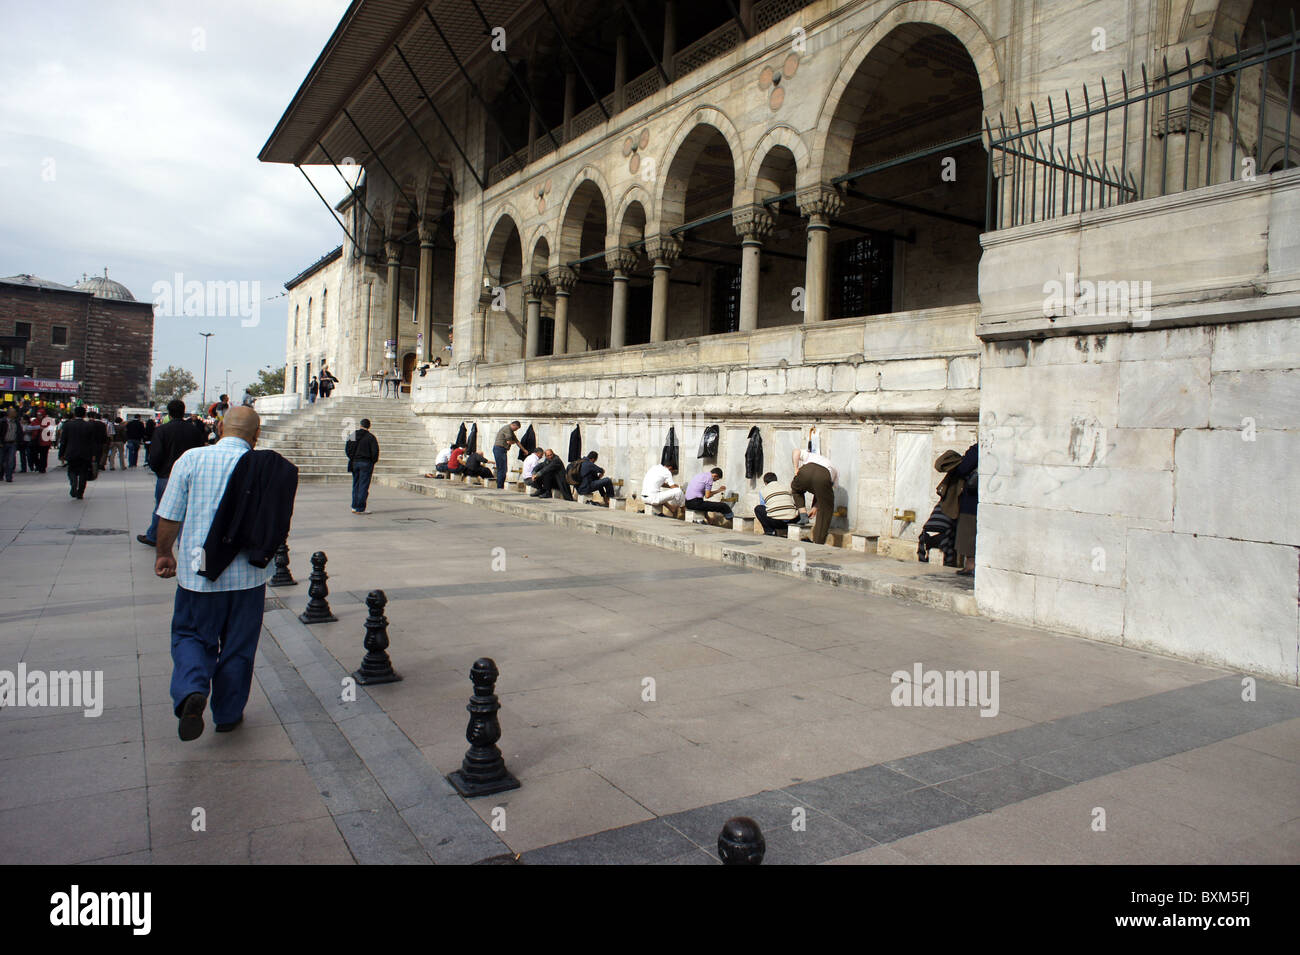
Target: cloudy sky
129, 133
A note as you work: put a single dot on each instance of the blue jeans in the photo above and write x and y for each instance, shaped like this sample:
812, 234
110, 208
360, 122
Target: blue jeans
214, 641
159, 486
361, 471
499, 456
132, 453
7, 458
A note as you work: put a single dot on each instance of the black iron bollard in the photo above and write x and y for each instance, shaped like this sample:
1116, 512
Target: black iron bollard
741, 842
375, 665
318, 608
282, 576
483, 771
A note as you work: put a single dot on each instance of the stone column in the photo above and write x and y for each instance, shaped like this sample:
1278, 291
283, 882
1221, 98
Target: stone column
621, 261
820, 204
534, 288
563, 279
752, 223
394, 253
662, 250
424, 290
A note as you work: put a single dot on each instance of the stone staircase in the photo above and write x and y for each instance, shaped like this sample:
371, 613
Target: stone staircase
313, 437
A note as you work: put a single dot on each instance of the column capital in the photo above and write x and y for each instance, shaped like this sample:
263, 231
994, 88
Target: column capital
752, 223
427, 232
536, 286
663, 249
392, 250
621, 260
820, 202
563, 278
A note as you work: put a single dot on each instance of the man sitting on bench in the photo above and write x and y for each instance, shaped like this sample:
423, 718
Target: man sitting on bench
659, 490
474, 465
702, 487
591, 479
529, 473
549, 478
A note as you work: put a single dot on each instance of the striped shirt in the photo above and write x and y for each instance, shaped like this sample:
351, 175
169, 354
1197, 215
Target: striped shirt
194, 491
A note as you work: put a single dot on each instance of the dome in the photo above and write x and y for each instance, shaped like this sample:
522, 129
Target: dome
101, 286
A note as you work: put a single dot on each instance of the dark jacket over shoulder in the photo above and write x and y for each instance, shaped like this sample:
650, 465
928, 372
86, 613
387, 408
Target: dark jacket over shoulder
254, 512
170, 441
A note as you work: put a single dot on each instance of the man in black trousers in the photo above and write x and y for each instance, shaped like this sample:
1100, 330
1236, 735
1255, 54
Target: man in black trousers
170, 441
363, 454
79, 446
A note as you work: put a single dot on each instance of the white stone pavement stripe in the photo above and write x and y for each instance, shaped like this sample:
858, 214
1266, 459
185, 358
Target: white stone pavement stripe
386, 799
546, 583
852, 811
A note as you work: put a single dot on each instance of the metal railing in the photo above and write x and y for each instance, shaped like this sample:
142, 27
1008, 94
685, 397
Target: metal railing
707, 48
1183, 129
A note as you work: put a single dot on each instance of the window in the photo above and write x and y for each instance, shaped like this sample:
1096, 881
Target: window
294, 389
295, 326
546, 335
58, 335
23, 330
725, 315
309, 318
322, 307
864, 276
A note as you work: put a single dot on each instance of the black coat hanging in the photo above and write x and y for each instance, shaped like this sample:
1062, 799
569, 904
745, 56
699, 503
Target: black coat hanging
528, 443
460, 436
754, 454
575, 444
709, 442
669, 457
471, 443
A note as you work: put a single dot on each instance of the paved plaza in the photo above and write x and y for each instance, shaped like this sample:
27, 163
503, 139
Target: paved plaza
647, 696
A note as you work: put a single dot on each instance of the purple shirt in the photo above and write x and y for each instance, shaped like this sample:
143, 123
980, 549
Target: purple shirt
698, 485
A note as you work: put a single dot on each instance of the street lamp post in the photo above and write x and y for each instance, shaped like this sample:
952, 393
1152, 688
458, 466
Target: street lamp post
227, 381
206, 336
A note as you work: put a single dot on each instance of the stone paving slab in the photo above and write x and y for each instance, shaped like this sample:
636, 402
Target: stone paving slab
836, 566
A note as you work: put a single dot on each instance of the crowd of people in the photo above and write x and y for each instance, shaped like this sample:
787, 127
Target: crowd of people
807, 499
86, 442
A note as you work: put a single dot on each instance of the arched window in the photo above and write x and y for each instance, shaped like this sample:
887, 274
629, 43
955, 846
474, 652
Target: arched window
323, 293
295, 328
309, 317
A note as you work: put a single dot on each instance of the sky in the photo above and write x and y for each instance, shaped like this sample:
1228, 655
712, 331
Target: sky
129, 133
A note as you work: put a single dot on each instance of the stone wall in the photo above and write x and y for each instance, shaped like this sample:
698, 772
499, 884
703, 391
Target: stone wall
883, 421
1137, 483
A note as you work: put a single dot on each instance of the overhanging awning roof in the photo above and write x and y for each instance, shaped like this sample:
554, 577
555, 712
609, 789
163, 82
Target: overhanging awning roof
342, 76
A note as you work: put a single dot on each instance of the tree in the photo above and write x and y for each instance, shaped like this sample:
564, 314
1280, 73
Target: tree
269, 382
173, 383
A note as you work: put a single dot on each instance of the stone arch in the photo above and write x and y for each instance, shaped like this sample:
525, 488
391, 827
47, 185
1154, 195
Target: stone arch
540, 253
578, 203
504, 224
774, 138
635, 203
678, 159
850, 92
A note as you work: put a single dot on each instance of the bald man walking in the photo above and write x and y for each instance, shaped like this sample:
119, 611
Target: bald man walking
217, 616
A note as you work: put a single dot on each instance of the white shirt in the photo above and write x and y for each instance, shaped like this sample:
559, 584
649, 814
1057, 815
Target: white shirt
809, 457
656, 478
443, 456
530, 465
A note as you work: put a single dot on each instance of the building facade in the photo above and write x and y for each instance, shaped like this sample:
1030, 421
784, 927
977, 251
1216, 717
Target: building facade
315, 333
97, 326
1067, 232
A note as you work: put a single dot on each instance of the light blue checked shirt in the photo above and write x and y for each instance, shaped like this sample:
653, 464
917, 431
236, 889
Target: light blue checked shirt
194, 490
